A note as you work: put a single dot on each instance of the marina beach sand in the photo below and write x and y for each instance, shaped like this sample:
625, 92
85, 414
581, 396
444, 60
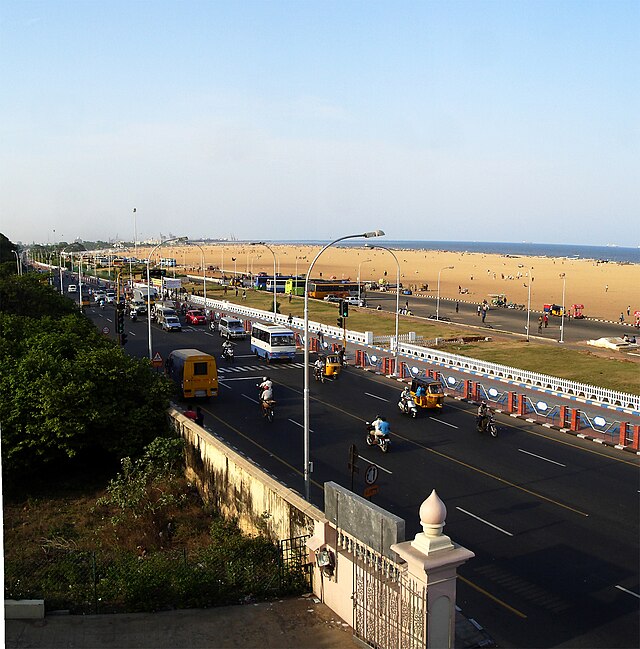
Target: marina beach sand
606, 289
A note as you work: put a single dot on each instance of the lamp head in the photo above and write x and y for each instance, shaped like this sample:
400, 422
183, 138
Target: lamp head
375, 233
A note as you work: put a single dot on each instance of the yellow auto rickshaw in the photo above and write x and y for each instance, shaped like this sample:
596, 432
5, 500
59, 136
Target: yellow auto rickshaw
332, 366
427, 393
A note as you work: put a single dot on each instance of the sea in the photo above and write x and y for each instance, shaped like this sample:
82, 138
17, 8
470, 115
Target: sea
616, 254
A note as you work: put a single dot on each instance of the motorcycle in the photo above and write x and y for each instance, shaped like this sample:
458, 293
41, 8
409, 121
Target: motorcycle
227, 354
318, 374
487, 425
213, 325
133, 315
383, 441
267, 409
408, 407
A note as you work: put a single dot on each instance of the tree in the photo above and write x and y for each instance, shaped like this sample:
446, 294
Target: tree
65, 390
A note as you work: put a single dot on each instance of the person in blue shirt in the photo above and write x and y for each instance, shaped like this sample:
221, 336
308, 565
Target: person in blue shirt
420, 391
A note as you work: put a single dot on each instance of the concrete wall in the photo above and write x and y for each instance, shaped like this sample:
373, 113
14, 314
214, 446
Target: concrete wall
239, 489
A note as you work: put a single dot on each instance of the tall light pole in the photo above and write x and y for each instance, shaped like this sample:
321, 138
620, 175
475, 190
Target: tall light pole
307, 476
181, 239
60, 268
364, 261
438, 298
564, 283
204, 273
262, 243
529, 280
397, 343
18, 264
135, 234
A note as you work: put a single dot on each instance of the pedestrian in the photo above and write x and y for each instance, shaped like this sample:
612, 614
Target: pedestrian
199, 416
236, 291
621, 316
191, 413
629, 310
244, 294
546, 320
290, 319
606, 288
406, 305
290, 298
484, 314
321, 336
341, 355
478, 310
540, 322
457, 306
459, 289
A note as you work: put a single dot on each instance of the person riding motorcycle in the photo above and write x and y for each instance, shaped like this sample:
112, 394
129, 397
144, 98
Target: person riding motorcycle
318, 367
483, 415
266, 389
405, 395
227, 345
380, 426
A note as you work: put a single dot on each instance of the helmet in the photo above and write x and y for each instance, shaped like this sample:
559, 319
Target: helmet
265, 378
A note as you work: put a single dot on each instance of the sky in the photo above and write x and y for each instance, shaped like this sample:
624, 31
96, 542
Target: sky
311, 120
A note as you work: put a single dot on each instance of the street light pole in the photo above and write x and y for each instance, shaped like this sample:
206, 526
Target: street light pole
204, 273
364, 261
438, 299
307, 473
149, 289
529, 280
18, 265
397, 343
262, 243
564, 282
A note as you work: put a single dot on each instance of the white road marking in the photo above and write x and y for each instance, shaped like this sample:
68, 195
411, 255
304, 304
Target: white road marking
243, 378
446, 423
299, 424
376, 397
622, 588
483, 521
372, 462
246, 396
541, 458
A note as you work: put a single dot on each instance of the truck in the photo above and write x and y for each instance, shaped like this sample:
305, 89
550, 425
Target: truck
141, 292
194, 372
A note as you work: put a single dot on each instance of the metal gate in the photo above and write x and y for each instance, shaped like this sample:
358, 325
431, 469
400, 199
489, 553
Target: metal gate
389, 607
294, 562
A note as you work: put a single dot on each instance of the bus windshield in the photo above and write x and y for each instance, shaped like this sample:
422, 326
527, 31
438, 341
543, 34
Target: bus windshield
282, 340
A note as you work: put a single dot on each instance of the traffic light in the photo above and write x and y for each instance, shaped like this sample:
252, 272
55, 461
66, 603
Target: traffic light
158, 272
344, 308
120, 320
340, 322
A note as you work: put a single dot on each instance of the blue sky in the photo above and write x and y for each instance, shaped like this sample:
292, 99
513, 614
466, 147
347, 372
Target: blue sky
494, 121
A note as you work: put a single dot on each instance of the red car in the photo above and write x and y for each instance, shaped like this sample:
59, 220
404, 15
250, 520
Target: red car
195, 317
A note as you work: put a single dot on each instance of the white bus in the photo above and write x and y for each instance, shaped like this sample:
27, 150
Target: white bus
272, 342
168, 262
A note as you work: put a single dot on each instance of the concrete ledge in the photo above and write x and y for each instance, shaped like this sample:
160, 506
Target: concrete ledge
23, 609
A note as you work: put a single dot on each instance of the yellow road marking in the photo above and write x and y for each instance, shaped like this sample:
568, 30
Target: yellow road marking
515, 611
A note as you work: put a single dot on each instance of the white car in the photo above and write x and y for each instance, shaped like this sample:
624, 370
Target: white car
354, 301
72, 288
332, 298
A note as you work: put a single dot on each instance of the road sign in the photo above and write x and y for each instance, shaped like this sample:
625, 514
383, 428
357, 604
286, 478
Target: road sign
371, 474
371, 490
157, 360
106, 330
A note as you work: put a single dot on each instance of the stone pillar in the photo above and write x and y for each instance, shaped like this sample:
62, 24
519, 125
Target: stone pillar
432, 559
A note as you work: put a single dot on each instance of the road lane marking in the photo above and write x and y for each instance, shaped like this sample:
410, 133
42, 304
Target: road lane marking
242, 378
540, 457
630, 592
246, 396
515, 611
378, 465
376, 397
446, 423
300, 425
495, 527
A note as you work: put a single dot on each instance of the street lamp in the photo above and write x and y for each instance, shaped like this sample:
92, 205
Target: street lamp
438, 299
364, 261
307, 477
204, 273
60, 268
564, 283
529, 280
181, 239
18, 265
262, 243
397, 343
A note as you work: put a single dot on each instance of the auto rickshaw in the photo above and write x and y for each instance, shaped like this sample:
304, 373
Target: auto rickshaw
332, 366
431, 393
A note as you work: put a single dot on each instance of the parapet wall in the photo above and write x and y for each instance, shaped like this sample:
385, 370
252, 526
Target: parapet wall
239, 489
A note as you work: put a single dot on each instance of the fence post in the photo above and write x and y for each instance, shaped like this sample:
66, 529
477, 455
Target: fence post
574, 424
359, 358
636, 437
563, 416
467, 389
622, 440
522, 404
475, 394
511, 399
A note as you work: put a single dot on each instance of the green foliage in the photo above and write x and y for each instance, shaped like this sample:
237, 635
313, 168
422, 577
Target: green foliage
64, 388
143, 486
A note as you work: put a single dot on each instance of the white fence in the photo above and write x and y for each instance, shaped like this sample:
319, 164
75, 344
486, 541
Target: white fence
452, 361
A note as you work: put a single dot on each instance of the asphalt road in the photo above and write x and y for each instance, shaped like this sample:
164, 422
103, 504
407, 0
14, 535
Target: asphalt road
553, 520
500, 319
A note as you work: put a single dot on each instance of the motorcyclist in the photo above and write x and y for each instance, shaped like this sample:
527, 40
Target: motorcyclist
380, 426
318, 367
483, 415
266, 389
227, 345
133, 314
405, 395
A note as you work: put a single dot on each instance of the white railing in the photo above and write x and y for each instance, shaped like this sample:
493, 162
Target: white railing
452, 361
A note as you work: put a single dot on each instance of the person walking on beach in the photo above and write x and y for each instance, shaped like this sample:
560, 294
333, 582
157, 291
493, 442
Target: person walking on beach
606, 288
621, 316
629, 310
457, 306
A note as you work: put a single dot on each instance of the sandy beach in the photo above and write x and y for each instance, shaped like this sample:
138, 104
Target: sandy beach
607, 290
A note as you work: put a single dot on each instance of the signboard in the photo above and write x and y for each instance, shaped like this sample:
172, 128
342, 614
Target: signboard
106, 330
372, 490
157, 360
371, 475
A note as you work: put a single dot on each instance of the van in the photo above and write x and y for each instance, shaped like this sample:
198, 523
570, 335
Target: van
162, 312
231, 328
194, 372
72, 288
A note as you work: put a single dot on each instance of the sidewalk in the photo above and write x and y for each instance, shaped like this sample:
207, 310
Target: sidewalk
296, 623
